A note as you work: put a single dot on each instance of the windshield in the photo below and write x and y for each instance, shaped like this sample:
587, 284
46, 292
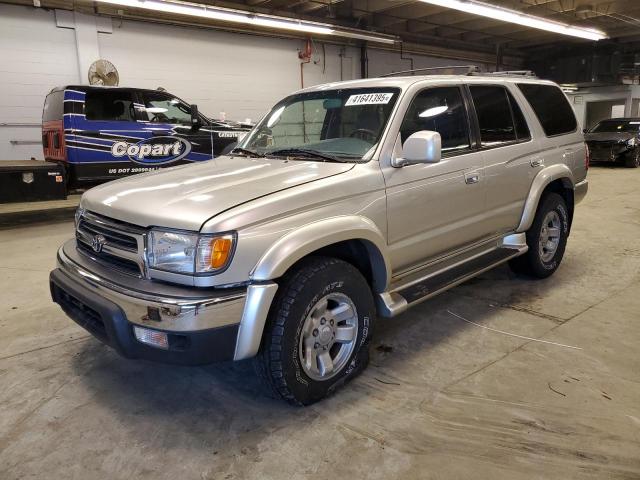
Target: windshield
617, 126
345, 124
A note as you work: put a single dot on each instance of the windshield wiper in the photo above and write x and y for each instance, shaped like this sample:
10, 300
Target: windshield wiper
305, 152
246, 151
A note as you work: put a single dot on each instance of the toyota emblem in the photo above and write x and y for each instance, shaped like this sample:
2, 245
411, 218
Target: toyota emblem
97, 242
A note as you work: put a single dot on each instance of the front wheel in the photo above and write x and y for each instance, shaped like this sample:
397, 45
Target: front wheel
632, 159
318, 331
547, 239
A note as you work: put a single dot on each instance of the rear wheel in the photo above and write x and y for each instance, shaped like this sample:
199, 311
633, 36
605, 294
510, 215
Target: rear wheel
547, 239
318, 331
632, 159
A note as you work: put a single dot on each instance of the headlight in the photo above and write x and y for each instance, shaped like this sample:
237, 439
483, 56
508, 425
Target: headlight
189, 253
79, 213
631, 142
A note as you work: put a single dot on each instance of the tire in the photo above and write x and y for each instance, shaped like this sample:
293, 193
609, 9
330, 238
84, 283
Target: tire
287, 362
541, 262
632, 159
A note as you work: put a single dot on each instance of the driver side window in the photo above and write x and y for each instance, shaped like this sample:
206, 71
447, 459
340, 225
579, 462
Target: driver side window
440, 110
163, 108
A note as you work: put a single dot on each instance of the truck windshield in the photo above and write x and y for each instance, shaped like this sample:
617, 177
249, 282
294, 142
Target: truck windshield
617, 126
343, 124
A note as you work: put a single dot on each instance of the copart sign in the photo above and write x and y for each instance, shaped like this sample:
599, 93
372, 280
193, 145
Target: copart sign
153, 151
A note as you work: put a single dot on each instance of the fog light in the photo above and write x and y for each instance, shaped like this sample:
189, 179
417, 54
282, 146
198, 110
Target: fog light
152, 337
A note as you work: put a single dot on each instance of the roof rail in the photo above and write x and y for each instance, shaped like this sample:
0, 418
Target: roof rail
506, 73
470, 69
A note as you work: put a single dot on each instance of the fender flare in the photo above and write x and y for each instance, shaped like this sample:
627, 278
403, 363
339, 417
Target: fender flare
540, 182
302, 241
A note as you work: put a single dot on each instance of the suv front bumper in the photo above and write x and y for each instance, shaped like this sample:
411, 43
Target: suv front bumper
202, 325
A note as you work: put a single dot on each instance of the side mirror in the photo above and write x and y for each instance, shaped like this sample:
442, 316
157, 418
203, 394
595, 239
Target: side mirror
195, 118
424, 146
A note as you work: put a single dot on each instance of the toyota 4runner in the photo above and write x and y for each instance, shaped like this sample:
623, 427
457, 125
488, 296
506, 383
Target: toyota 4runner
347, 201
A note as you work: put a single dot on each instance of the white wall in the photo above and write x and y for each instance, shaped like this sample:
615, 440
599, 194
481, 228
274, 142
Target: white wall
615, 93
36, 56
239, 74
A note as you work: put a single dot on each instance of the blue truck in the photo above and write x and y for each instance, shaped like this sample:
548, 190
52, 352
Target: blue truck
97, 134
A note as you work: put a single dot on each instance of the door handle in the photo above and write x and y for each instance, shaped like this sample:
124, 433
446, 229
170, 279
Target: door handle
536, 162
471, 177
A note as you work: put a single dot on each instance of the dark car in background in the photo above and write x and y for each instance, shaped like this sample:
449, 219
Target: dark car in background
99, 134
615, 140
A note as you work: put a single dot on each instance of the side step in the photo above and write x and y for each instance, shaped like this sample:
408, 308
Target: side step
398, 299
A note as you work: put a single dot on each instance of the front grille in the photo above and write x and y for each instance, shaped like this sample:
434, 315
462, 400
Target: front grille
81, 313
106, 259
112, 243
115, 238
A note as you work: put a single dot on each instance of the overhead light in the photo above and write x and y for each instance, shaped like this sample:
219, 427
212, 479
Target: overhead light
248, 18
513, 16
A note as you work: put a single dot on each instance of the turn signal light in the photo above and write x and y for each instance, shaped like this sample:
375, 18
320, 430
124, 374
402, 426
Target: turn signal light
220, 251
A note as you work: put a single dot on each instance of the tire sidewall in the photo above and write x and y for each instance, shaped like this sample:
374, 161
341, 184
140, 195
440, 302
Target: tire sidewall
338, 277
551, 202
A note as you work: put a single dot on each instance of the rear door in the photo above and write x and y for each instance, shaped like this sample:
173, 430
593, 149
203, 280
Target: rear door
511, 157
101, 118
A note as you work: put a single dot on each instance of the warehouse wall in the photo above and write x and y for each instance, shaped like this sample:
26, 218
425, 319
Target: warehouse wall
35, 57
241, 75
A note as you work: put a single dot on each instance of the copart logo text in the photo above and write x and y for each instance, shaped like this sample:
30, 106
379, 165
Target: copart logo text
153, 151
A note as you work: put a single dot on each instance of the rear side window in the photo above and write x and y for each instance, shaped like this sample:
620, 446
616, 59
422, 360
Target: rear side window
551, 107
494, 115
109, 105
440, 110
53, 106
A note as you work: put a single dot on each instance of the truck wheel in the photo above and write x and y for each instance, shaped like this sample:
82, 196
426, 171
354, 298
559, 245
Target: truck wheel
317, 334
632, 159
547, 239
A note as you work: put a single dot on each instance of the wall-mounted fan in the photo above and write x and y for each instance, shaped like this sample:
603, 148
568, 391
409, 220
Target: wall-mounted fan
103, 72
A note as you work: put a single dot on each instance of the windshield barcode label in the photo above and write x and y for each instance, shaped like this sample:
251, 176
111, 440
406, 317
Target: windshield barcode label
369, 99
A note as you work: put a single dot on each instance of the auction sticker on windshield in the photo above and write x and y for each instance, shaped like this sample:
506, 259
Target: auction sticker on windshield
369, 99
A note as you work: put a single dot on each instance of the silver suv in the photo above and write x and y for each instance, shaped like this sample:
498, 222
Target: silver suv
347, 201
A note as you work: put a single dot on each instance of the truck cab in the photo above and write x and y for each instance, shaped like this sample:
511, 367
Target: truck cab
102, 133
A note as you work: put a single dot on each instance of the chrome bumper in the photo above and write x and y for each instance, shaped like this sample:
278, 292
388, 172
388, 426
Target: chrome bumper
181, 309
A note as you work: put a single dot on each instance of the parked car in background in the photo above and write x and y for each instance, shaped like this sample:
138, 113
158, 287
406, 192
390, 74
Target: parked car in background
101, 133
616, 140
347, 201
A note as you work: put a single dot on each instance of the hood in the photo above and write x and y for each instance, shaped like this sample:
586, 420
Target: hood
609, 136
187, 196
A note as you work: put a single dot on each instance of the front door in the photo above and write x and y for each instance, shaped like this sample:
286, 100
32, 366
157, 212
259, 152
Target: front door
435, 208
167, 117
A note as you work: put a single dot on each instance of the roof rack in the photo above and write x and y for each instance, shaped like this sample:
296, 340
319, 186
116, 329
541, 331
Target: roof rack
506, 73
469, 70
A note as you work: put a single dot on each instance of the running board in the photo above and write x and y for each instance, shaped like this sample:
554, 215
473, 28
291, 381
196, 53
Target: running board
398, 299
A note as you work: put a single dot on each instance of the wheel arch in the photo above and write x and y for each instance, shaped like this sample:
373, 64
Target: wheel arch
555, 178
351, 238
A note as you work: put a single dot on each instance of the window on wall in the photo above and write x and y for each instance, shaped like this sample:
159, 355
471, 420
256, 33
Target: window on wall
109, 105
494, 115
551, 107
440, 110
163, 108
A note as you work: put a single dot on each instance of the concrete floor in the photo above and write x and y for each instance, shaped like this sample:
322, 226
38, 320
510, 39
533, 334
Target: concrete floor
442, 398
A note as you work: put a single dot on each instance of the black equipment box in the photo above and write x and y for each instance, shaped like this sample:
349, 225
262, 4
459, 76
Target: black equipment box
31, 181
